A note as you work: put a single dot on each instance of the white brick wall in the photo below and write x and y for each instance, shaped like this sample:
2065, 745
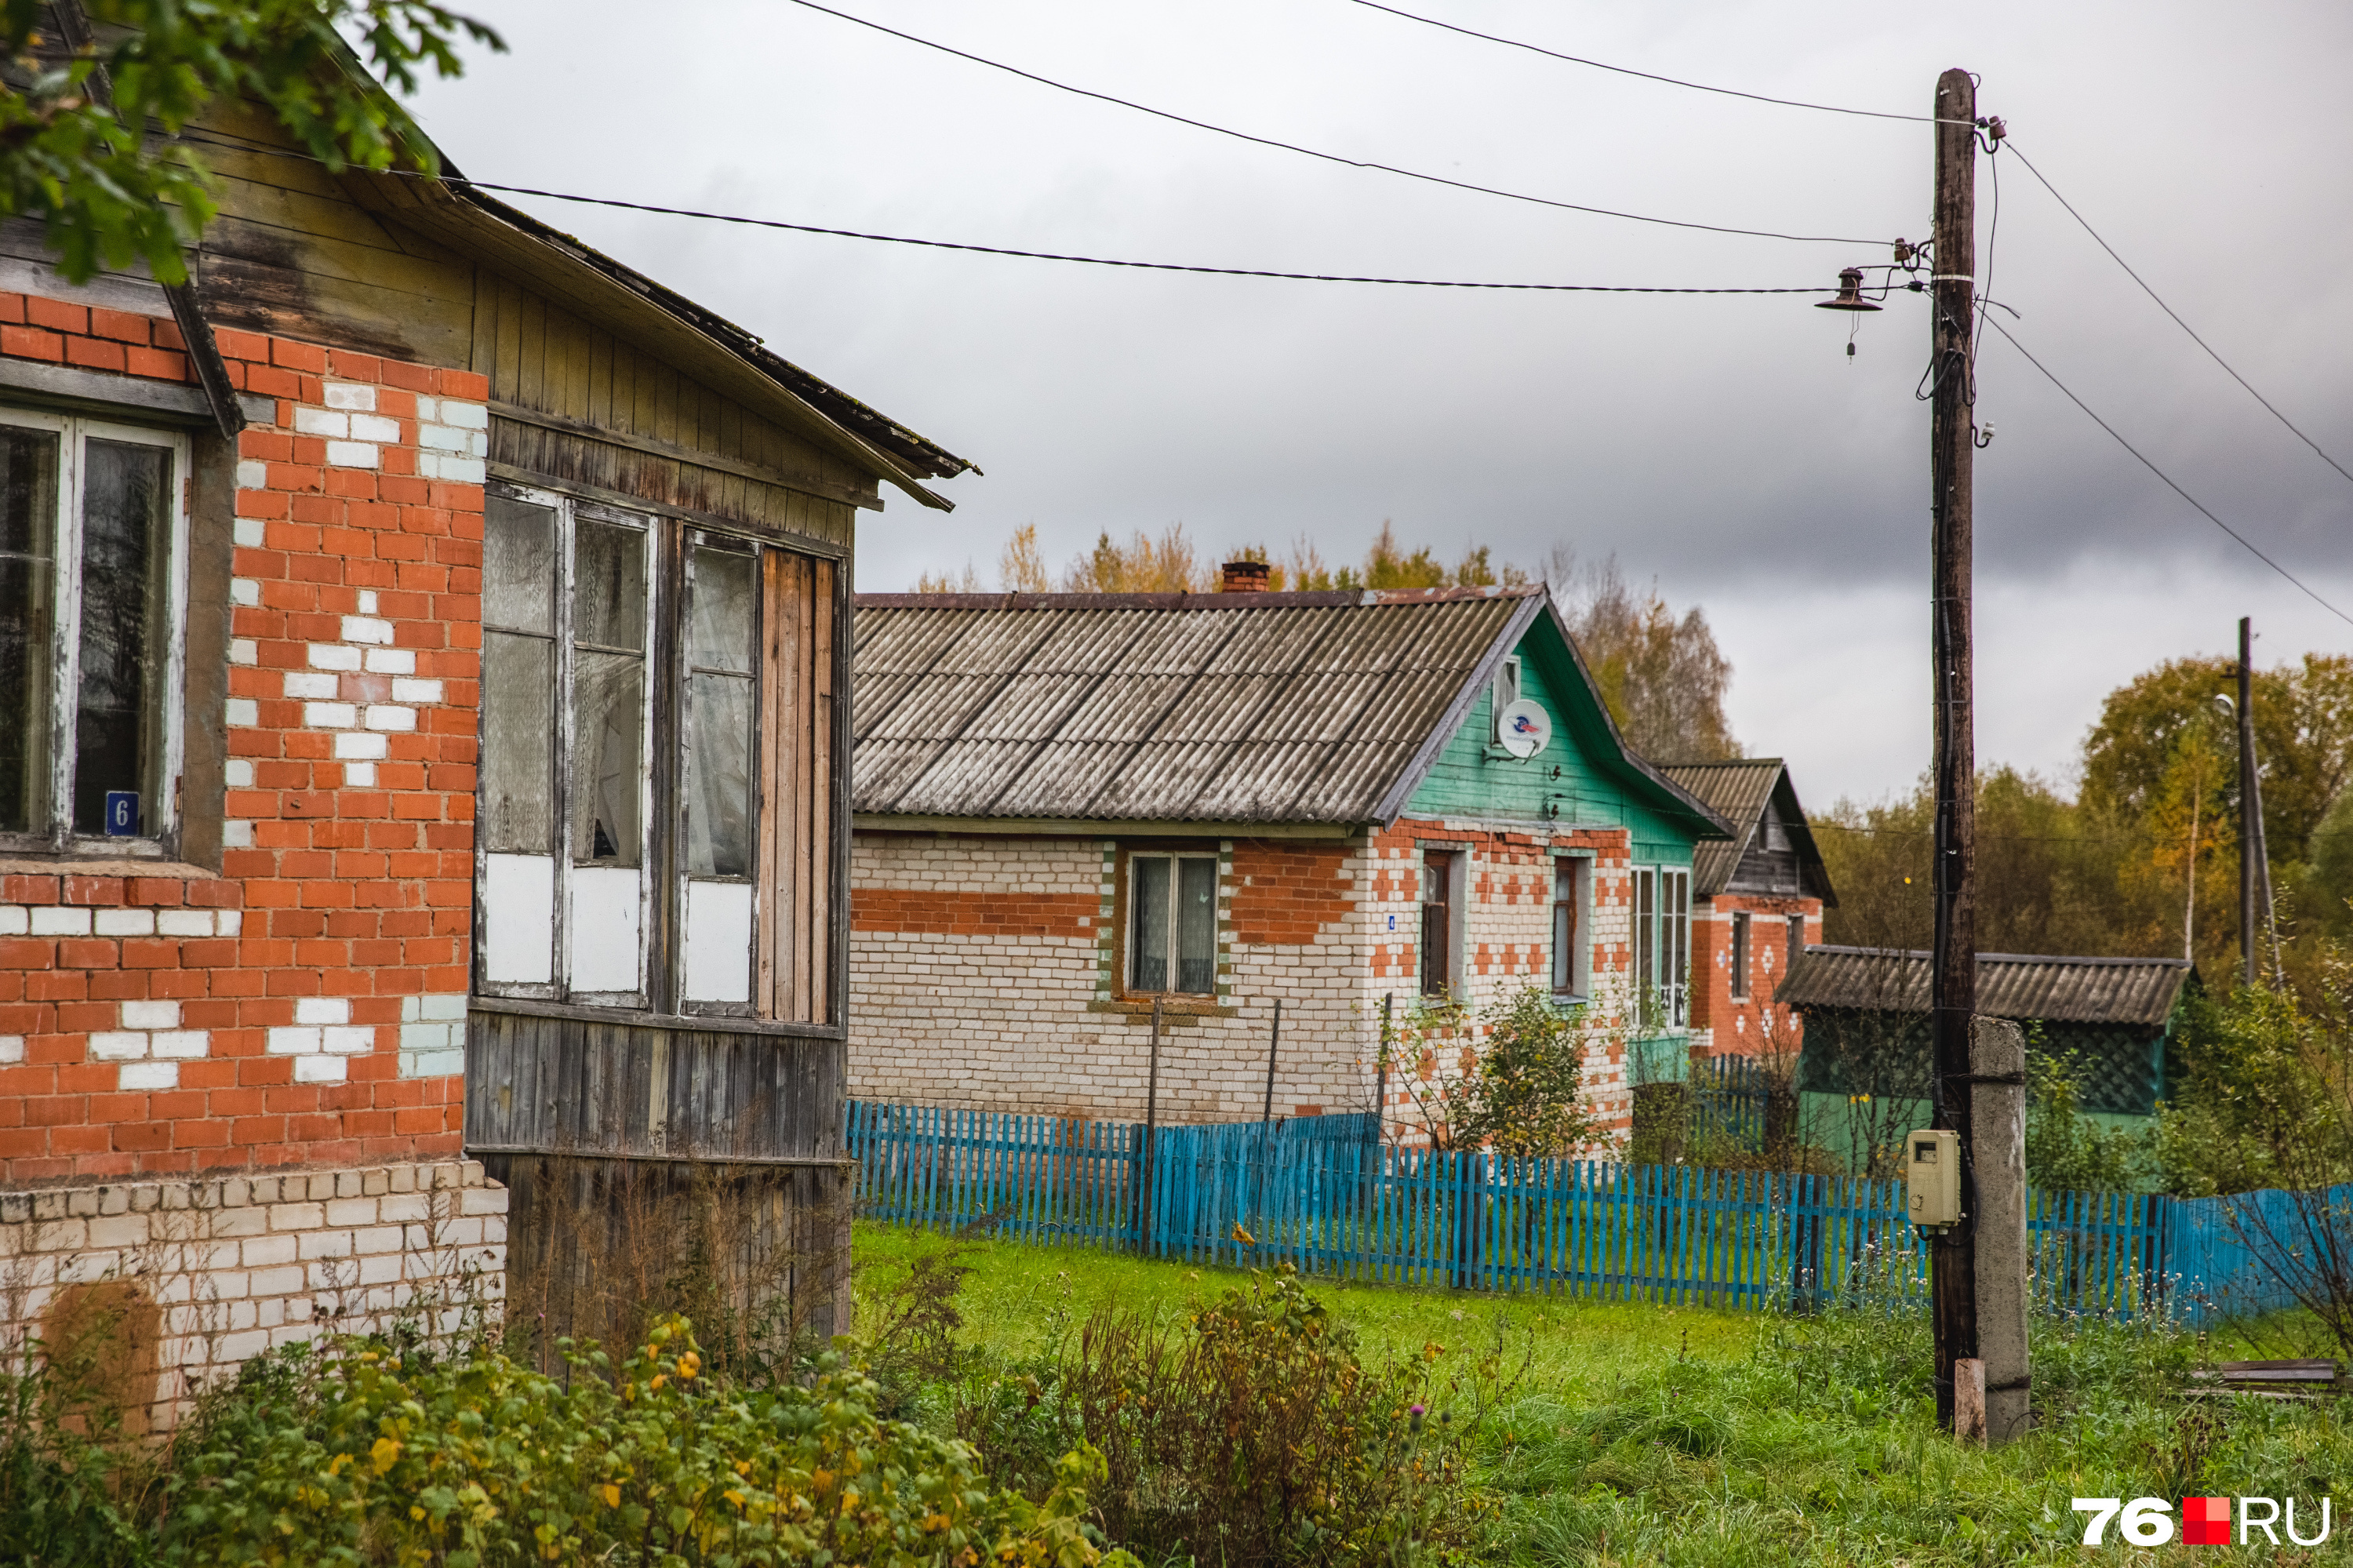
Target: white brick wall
1024, 1023
243, 1264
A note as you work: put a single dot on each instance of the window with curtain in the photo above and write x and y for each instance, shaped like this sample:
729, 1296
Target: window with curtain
1172, 924
1442, 875
1571, 947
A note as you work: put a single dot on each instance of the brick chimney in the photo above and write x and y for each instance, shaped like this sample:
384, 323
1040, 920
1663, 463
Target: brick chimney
1243, 577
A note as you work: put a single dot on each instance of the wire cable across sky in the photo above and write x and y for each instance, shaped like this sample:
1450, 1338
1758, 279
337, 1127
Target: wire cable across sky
1112, 262
2250, 544
2169, 311
1335, 157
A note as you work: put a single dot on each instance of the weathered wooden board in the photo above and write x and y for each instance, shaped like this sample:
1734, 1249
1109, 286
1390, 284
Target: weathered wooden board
594, 1245
571, 1085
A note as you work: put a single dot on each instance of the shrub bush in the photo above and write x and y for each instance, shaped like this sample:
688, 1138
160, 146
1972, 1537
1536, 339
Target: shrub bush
1249, 1432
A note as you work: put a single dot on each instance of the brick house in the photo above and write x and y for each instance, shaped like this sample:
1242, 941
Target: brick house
248, 725
1756, 903
1073, 810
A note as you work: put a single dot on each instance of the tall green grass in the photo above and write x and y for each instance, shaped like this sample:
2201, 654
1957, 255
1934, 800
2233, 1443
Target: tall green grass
1638, 1434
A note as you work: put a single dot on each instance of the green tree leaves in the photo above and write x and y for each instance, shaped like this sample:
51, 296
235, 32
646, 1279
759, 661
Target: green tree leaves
91, 127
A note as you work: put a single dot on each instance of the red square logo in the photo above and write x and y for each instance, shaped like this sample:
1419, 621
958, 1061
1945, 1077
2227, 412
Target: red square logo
2206, 1521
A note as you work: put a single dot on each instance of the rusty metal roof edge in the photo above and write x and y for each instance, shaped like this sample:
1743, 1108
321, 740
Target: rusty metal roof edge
1322, 599
1101, 827
1924, 955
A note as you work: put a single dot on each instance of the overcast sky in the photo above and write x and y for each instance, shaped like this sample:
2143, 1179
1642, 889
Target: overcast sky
1726, 447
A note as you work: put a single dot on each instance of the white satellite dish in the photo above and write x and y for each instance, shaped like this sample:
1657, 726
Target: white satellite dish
1523, 728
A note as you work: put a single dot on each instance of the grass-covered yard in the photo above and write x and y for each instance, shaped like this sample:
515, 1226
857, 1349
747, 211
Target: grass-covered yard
1630, 1433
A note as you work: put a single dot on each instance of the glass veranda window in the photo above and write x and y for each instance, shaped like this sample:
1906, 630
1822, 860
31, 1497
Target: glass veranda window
564, 786
1172, 942
92, 573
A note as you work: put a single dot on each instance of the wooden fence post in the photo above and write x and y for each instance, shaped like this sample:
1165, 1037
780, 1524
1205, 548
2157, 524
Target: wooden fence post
1151, 1140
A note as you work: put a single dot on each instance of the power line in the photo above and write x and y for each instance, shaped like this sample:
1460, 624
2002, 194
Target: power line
2169, 311
1334, 157
1112, 262
2160, 474
1646, 76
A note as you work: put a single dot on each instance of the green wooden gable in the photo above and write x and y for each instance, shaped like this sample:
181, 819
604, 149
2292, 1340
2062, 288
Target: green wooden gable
1583, 777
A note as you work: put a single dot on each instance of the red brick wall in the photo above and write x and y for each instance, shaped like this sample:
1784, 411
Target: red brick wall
297, 1008
1745, 1025
924, 912
1285, 892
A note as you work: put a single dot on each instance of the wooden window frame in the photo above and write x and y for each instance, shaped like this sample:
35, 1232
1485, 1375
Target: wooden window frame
58, 838
1123, 915
1579, 955
1741, 954
1447, 951
800, 800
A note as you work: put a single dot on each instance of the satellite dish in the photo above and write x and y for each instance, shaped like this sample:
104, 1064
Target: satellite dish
1523, 728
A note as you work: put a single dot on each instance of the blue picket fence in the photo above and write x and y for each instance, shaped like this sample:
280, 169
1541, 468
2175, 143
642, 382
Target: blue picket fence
1321, 1195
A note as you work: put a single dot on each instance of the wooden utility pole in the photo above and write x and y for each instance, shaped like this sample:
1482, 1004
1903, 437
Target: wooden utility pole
2251, 831
1952, 445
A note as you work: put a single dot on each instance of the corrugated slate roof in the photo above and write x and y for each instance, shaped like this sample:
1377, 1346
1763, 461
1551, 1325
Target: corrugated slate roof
1290, 707
2010, 985
1737, 792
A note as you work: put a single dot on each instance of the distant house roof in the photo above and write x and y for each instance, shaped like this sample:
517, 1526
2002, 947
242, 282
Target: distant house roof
1320, 709
1740, 791
2140, 992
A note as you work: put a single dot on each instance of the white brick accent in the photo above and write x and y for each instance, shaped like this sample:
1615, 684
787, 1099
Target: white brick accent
358, 395
366, 628
245, 591
456, 470
292, 1041
11, 1049
415, 690
353, 454
150, 1075
180, 1044
391, 662
320, 1069
466, 415
247, 533
185, 922
359, 775
310, 685
322, 1009
60, 920
390, 716
15, 919
243, 712
331, 715
244, 650
333, 656
242, 1263
151, 1015
237, 835
238, 773
359, 746
376, 428
348, 1040
321, 422
252, 474
367, 601
125, 923
118, 1046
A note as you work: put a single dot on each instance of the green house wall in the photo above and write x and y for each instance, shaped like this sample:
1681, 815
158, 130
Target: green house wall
1594, 790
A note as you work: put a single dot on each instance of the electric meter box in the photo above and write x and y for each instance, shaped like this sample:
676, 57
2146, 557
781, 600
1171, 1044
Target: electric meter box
1932, 1176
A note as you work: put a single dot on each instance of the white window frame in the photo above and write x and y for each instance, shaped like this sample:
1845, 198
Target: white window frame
1174, 956
72, 431
560, 987
1662, 947
1580, 953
